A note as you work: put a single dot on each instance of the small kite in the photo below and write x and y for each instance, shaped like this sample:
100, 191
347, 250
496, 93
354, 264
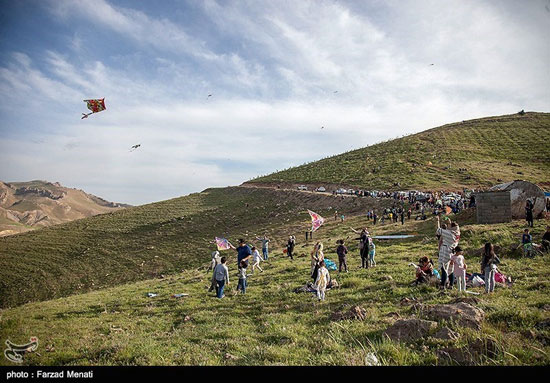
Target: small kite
222, 243
316, 220
208, 96
135, 147
95, 106
448, 210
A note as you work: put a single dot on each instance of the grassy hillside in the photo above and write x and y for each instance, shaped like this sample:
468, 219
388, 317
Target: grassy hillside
491, 150
147, 241
272, 325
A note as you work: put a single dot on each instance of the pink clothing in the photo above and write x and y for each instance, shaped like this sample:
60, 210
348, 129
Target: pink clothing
458, 263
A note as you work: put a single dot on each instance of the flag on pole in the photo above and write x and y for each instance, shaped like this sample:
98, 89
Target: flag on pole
222, 243
316, 220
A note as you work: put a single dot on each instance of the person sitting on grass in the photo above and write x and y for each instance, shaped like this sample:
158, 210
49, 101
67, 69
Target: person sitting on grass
527, 242
322, 280
242, 277
424, 270
221, 275
256, 259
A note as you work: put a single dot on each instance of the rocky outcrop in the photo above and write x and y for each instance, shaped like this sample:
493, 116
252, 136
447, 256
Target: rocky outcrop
40, 192
463, 313
356, 312
410, 329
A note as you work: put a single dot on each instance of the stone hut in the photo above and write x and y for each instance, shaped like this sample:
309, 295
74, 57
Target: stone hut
520, 191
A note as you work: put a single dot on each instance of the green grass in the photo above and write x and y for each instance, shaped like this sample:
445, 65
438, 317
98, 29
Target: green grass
146, 241
490, 149
272, 325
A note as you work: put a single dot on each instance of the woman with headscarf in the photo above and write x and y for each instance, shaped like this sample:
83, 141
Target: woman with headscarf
316, 257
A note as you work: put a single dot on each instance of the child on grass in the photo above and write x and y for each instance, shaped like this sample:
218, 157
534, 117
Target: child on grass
527, 241
372, 252
342, 250
322, 281
459, 268
424, 270
489, 267
242, 277
256, 259
221, 275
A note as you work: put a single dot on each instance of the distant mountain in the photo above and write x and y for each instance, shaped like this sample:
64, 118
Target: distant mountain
475, 153
28, 205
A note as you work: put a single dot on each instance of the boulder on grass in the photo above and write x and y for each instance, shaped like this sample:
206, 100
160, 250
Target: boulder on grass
410, 329
462, 313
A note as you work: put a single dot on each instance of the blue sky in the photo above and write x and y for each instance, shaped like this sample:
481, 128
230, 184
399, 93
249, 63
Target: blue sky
277, 70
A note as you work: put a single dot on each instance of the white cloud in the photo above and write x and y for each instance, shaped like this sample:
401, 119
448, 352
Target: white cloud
273, 68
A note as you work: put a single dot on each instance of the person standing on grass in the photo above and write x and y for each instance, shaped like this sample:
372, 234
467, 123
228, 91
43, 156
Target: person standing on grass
372, 252
243, 252
489, 266
342, 250
317, 256
449, 240
290, 246
221, 275
529, 213
265, 246
459, 268
215, 262
402, 215
242, 277
364, 247
256, 259
322, 280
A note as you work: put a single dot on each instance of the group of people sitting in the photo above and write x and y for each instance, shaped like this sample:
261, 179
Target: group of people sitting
529, 247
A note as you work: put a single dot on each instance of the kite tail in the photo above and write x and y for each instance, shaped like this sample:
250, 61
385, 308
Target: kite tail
84, 115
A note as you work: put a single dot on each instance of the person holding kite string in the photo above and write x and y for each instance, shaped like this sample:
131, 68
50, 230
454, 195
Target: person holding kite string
243, 252
449, 240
